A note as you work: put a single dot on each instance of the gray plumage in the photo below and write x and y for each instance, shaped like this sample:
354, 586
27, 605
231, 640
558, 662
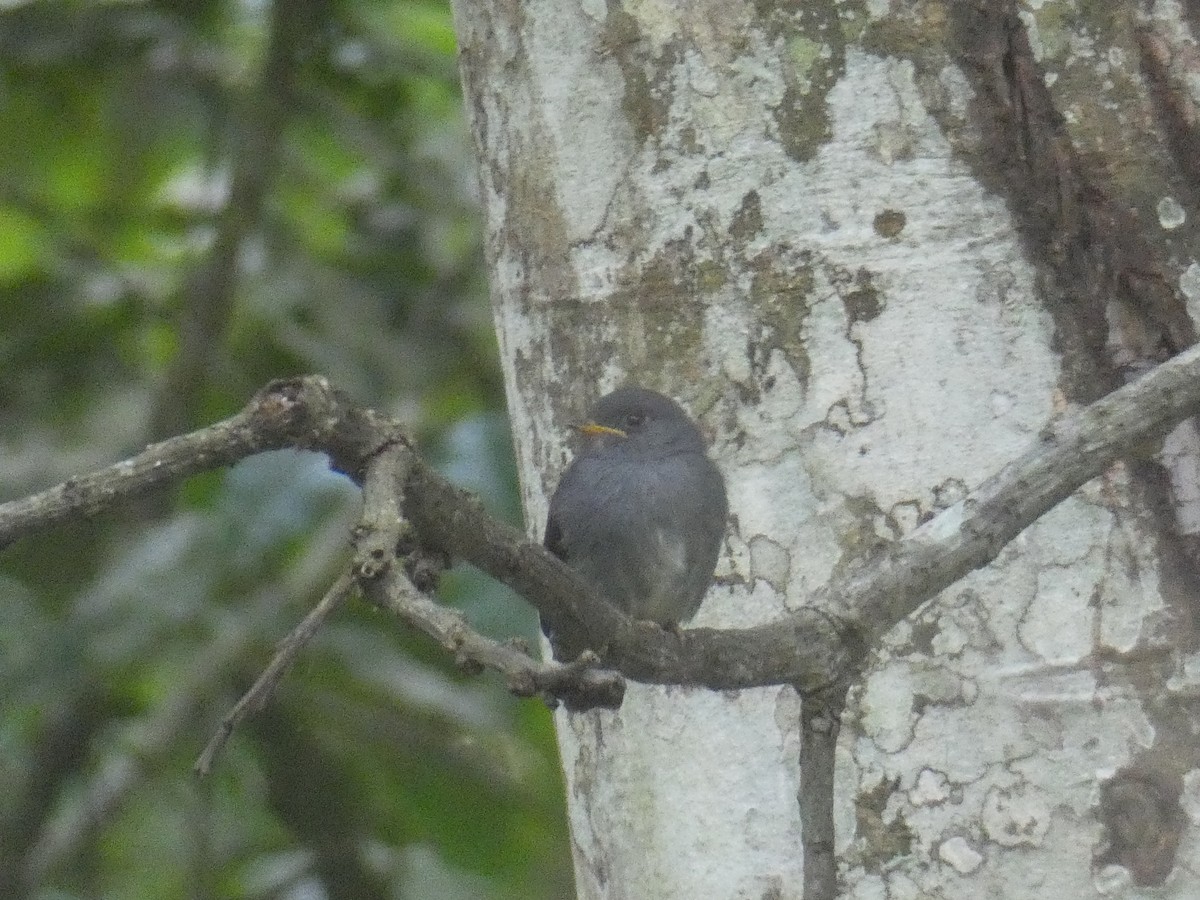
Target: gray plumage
641, 514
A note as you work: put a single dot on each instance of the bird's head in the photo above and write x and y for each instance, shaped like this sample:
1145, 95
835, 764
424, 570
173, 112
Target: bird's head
639, 422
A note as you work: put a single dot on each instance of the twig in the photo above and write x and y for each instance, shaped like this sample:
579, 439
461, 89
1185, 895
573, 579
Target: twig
262, 689
378, 532
385, 584
580, 684
168, 723
281, 415
971, 534
376, 539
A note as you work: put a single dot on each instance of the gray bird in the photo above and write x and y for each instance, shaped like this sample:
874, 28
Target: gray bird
640, 512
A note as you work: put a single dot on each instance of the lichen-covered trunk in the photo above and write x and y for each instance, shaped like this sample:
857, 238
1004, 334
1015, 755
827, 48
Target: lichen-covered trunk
875, 248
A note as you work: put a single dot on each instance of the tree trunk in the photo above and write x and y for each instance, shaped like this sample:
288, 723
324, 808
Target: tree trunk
875, 248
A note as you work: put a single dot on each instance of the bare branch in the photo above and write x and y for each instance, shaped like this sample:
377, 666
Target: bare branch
820, 721
378, 532
173, 459
374, 567
272, 420
266, 684
970, 534
580, 684
387, 586
810, 649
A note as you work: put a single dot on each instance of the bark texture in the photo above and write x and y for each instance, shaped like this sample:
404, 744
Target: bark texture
876, 248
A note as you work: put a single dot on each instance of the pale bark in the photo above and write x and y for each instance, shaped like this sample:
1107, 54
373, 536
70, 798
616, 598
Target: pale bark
876, 249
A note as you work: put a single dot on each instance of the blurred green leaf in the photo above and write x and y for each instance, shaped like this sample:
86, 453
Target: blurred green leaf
125, 639
426, 25
22, 244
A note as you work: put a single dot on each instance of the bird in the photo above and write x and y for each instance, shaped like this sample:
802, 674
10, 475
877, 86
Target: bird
640, 512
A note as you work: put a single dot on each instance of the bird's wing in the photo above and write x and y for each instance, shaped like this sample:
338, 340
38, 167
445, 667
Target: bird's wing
553, 540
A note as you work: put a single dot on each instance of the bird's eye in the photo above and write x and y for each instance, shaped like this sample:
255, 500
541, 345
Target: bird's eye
635, 420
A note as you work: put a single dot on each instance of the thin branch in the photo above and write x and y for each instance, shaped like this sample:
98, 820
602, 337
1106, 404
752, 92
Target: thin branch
273, 419
810, 648
164, 726
171, 460
820, 721
379, 529
375, 569
267, 683
970, 534
580, 684
385, 584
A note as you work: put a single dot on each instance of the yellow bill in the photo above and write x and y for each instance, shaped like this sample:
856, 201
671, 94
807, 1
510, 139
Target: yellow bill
592, 429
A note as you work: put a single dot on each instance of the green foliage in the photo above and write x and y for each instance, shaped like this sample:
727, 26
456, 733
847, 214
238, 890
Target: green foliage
196, 197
